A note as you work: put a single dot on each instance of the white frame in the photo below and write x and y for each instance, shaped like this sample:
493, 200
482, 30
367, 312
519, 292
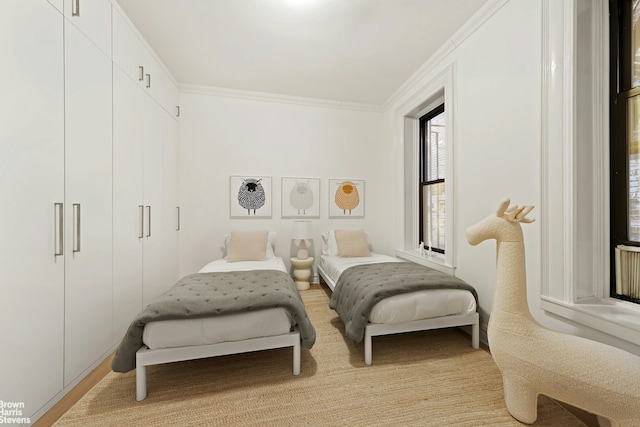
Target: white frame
238, 212
407, 116
334, 210
288, 211
377, 329
146, 357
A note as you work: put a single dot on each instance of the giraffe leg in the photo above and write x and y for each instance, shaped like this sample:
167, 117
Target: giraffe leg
521, 398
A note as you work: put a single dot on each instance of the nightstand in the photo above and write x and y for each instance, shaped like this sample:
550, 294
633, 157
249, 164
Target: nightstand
302, 272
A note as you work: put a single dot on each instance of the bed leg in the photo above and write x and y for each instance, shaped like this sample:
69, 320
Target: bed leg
141, 383
475, 335
367, 347
296, 359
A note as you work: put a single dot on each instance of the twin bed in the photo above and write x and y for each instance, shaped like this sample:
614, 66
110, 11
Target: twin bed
376, 294
247, 301
246, 305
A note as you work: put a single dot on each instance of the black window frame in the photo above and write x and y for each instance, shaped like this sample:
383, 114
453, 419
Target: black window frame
424, 164
620, 91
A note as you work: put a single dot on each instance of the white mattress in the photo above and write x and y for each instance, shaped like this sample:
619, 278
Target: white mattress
405, 307
229, 327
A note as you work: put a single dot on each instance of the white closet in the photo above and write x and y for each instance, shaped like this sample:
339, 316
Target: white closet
31, 182
83, 145
88, 223
144, 179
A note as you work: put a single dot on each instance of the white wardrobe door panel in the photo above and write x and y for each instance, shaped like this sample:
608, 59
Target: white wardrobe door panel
128, 134
171, 195
154, 277
166, 92
88, 229
93, 18
161, 87
31, 181
127, 49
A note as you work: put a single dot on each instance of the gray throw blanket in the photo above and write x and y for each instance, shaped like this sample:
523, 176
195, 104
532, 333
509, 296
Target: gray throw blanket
209, 294
361, 287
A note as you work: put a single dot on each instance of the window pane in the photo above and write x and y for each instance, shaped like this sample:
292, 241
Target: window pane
433, 216
634, 168
435, 146
635, 44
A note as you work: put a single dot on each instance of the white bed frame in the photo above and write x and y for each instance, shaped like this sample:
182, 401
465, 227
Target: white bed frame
377, 329
146, 356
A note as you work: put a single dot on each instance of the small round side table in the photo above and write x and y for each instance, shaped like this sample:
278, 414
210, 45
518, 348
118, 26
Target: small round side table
302, 272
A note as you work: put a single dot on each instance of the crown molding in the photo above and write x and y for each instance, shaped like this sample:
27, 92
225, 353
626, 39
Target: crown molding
272, 97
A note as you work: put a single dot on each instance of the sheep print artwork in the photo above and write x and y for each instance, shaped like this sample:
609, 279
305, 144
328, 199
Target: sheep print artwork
250, 196
346, 198
300, 197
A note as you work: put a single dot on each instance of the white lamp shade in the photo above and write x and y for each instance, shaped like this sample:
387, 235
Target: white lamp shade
302, 230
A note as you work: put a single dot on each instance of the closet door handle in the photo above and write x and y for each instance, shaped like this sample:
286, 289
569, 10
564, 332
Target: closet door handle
141, 215
75, 7
178, 218
148, 221
148, 80
58, 224
177, 111
141, 73
76, 227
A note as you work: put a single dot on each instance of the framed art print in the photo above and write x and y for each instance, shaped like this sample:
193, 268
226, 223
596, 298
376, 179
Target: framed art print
300, 198
250, 196
346, 198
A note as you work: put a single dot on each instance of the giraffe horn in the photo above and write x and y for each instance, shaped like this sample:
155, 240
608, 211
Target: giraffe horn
502, 207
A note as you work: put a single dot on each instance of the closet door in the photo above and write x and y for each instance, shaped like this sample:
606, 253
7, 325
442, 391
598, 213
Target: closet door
154, 278
171, 198
158, 83
128, 201
128, 49
31, 182
93, 19
88, 192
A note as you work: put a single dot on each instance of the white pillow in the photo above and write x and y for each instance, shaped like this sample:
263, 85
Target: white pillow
329, 244
271, 243
271, 239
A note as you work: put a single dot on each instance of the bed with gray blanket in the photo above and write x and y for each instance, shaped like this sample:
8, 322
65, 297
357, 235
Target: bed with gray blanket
381, 295
215, 313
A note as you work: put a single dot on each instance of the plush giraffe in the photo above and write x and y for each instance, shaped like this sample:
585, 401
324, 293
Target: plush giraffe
533, 360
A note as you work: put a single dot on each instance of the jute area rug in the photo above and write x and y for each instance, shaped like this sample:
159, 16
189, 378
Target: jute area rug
431, 378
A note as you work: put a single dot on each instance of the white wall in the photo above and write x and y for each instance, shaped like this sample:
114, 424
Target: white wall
498, 153
498, 125
496, 114
222, 136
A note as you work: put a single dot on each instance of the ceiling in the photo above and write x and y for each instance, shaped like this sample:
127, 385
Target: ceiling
355, 51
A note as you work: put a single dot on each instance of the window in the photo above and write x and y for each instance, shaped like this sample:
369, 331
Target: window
575, 206
423, 106
432, 223
624, 147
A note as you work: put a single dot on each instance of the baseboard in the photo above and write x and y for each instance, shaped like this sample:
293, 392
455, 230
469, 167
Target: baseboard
75, 394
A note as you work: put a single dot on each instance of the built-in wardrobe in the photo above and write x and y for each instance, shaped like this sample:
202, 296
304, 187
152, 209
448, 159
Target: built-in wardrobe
89, 213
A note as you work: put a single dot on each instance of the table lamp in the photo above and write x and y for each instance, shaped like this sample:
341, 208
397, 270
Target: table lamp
301, 234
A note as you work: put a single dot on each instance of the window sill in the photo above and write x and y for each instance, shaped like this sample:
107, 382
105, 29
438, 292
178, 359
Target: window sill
613, 318
435, 261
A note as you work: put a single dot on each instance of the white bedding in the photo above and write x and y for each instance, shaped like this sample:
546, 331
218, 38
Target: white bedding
230, 327
405, 307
